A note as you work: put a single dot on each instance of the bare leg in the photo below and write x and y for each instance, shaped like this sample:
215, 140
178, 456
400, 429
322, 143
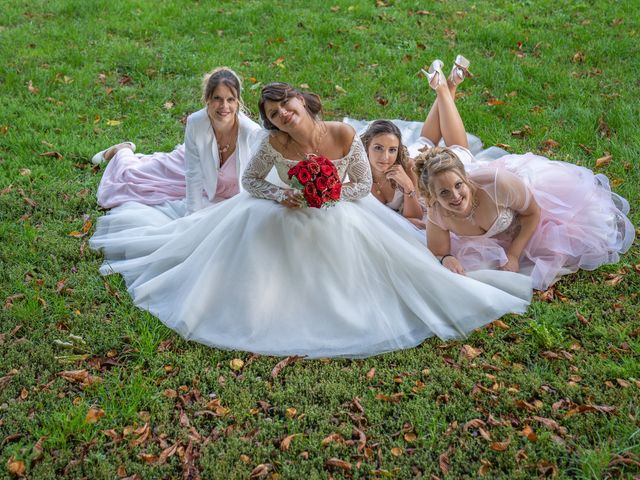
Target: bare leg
431, 128
451, 124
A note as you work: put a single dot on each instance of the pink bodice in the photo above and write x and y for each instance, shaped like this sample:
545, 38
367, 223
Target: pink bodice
227, 179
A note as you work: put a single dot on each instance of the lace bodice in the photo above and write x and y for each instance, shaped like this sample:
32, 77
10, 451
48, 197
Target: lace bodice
355, 165
504, 220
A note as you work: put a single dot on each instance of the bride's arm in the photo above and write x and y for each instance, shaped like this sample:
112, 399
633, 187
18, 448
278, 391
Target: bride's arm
359, 172
253, 178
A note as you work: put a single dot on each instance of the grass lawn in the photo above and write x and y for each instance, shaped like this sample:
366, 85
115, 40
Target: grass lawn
553, 393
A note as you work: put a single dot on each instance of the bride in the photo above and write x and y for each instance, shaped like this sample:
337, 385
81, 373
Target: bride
259, 273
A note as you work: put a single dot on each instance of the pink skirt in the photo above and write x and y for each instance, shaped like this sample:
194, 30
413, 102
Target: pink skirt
148, 179
583, 224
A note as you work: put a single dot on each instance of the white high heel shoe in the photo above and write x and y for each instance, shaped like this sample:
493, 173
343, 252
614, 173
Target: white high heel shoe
459, 71
435, 75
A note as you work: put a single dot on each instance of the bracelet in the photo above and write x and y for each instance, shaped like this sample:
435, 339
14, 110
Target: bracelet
443, 257
412, 194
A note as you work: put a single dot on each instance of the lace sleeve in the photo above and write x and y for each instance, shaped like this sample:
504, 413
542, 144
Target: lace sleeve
253, 179
359, 172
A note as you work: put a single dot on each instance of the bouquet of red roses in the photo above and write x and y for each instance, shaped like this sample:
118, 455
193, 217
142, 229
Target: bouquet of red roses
318, 179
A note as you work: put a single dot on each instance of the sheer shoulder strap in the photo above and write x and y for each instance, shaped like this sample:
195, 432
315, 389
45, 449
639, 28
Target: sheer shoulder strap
359, 172
253, 179
505, 188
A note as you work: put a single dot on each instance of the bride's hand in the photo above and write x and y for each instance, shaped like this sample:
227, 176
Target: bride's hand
398, 175
294, 199
453, 264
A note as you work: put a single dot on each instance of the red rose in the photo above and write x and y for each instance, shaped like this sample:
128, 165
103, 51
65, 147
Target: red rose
321, 183
314, 201
335, 192
326, 197
314, 168
304, 176
293, 171
331, 182
309, 190
326, 170
303, 164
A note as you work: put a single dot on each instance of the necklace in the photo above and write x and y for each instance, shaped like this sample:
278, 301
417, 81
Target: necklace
317, 142
229, 145
472, 211
378, 186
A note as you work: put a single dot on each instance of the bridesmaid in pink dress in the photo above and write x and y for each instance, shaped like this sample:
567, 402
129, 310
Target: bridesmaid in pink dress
218, 144
521, 213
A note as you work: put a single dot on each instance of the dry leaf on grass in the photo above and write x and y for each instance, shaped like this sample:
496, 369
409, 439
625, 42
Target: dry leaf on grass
283, 363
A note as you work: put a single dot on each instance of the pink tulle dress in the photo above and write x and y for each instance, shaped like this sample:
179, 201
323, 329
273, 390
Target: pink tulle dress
149, 179
583, 224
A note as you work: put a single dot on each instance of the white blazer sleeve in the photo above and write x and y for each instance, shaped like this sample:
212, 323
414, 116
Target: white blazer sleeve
193, 177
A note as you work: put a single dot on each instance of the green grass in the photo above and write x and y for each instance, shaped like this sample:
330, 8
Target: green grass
90, 62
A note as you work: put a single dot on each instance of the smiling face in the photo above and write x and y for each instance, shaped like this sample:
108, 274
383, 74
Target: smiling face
452, 192
223, 104
383, 152
287, 113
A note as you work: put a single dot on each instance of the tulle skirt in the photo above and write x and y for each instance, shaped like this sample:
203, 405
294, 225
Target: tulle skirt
583, 224
150, 179
250, 274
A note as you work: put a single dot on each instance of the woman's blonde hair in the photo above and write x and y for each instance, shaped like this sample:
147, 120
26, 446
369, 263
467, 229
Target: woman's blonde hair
433, 162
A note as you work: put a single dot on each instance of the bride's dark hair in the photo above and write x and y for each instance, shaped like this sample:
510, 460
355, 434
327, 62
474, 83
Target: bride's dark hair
278, 92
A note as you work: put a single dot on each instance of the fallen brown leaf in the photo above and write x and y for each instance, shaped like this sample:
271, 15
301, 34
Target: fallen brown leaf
604, 160
443, 461
393, 398
500, 446
16, 467
550, 424
168, 453
143, 434
32, 89
261, 470
337, 463
94, 414
591, 408
603, 128
285, 444
57, 155
332, 437
528, 432
470, 352
484, 468
283, 363
546, 468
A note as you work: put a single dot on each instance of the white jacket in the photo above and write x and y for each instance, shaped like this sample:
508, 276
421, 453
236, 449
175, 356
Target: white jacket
202, 159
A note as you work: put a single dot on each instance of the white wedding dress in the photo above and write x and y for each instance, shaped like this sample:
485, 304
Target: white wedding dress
249, 274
